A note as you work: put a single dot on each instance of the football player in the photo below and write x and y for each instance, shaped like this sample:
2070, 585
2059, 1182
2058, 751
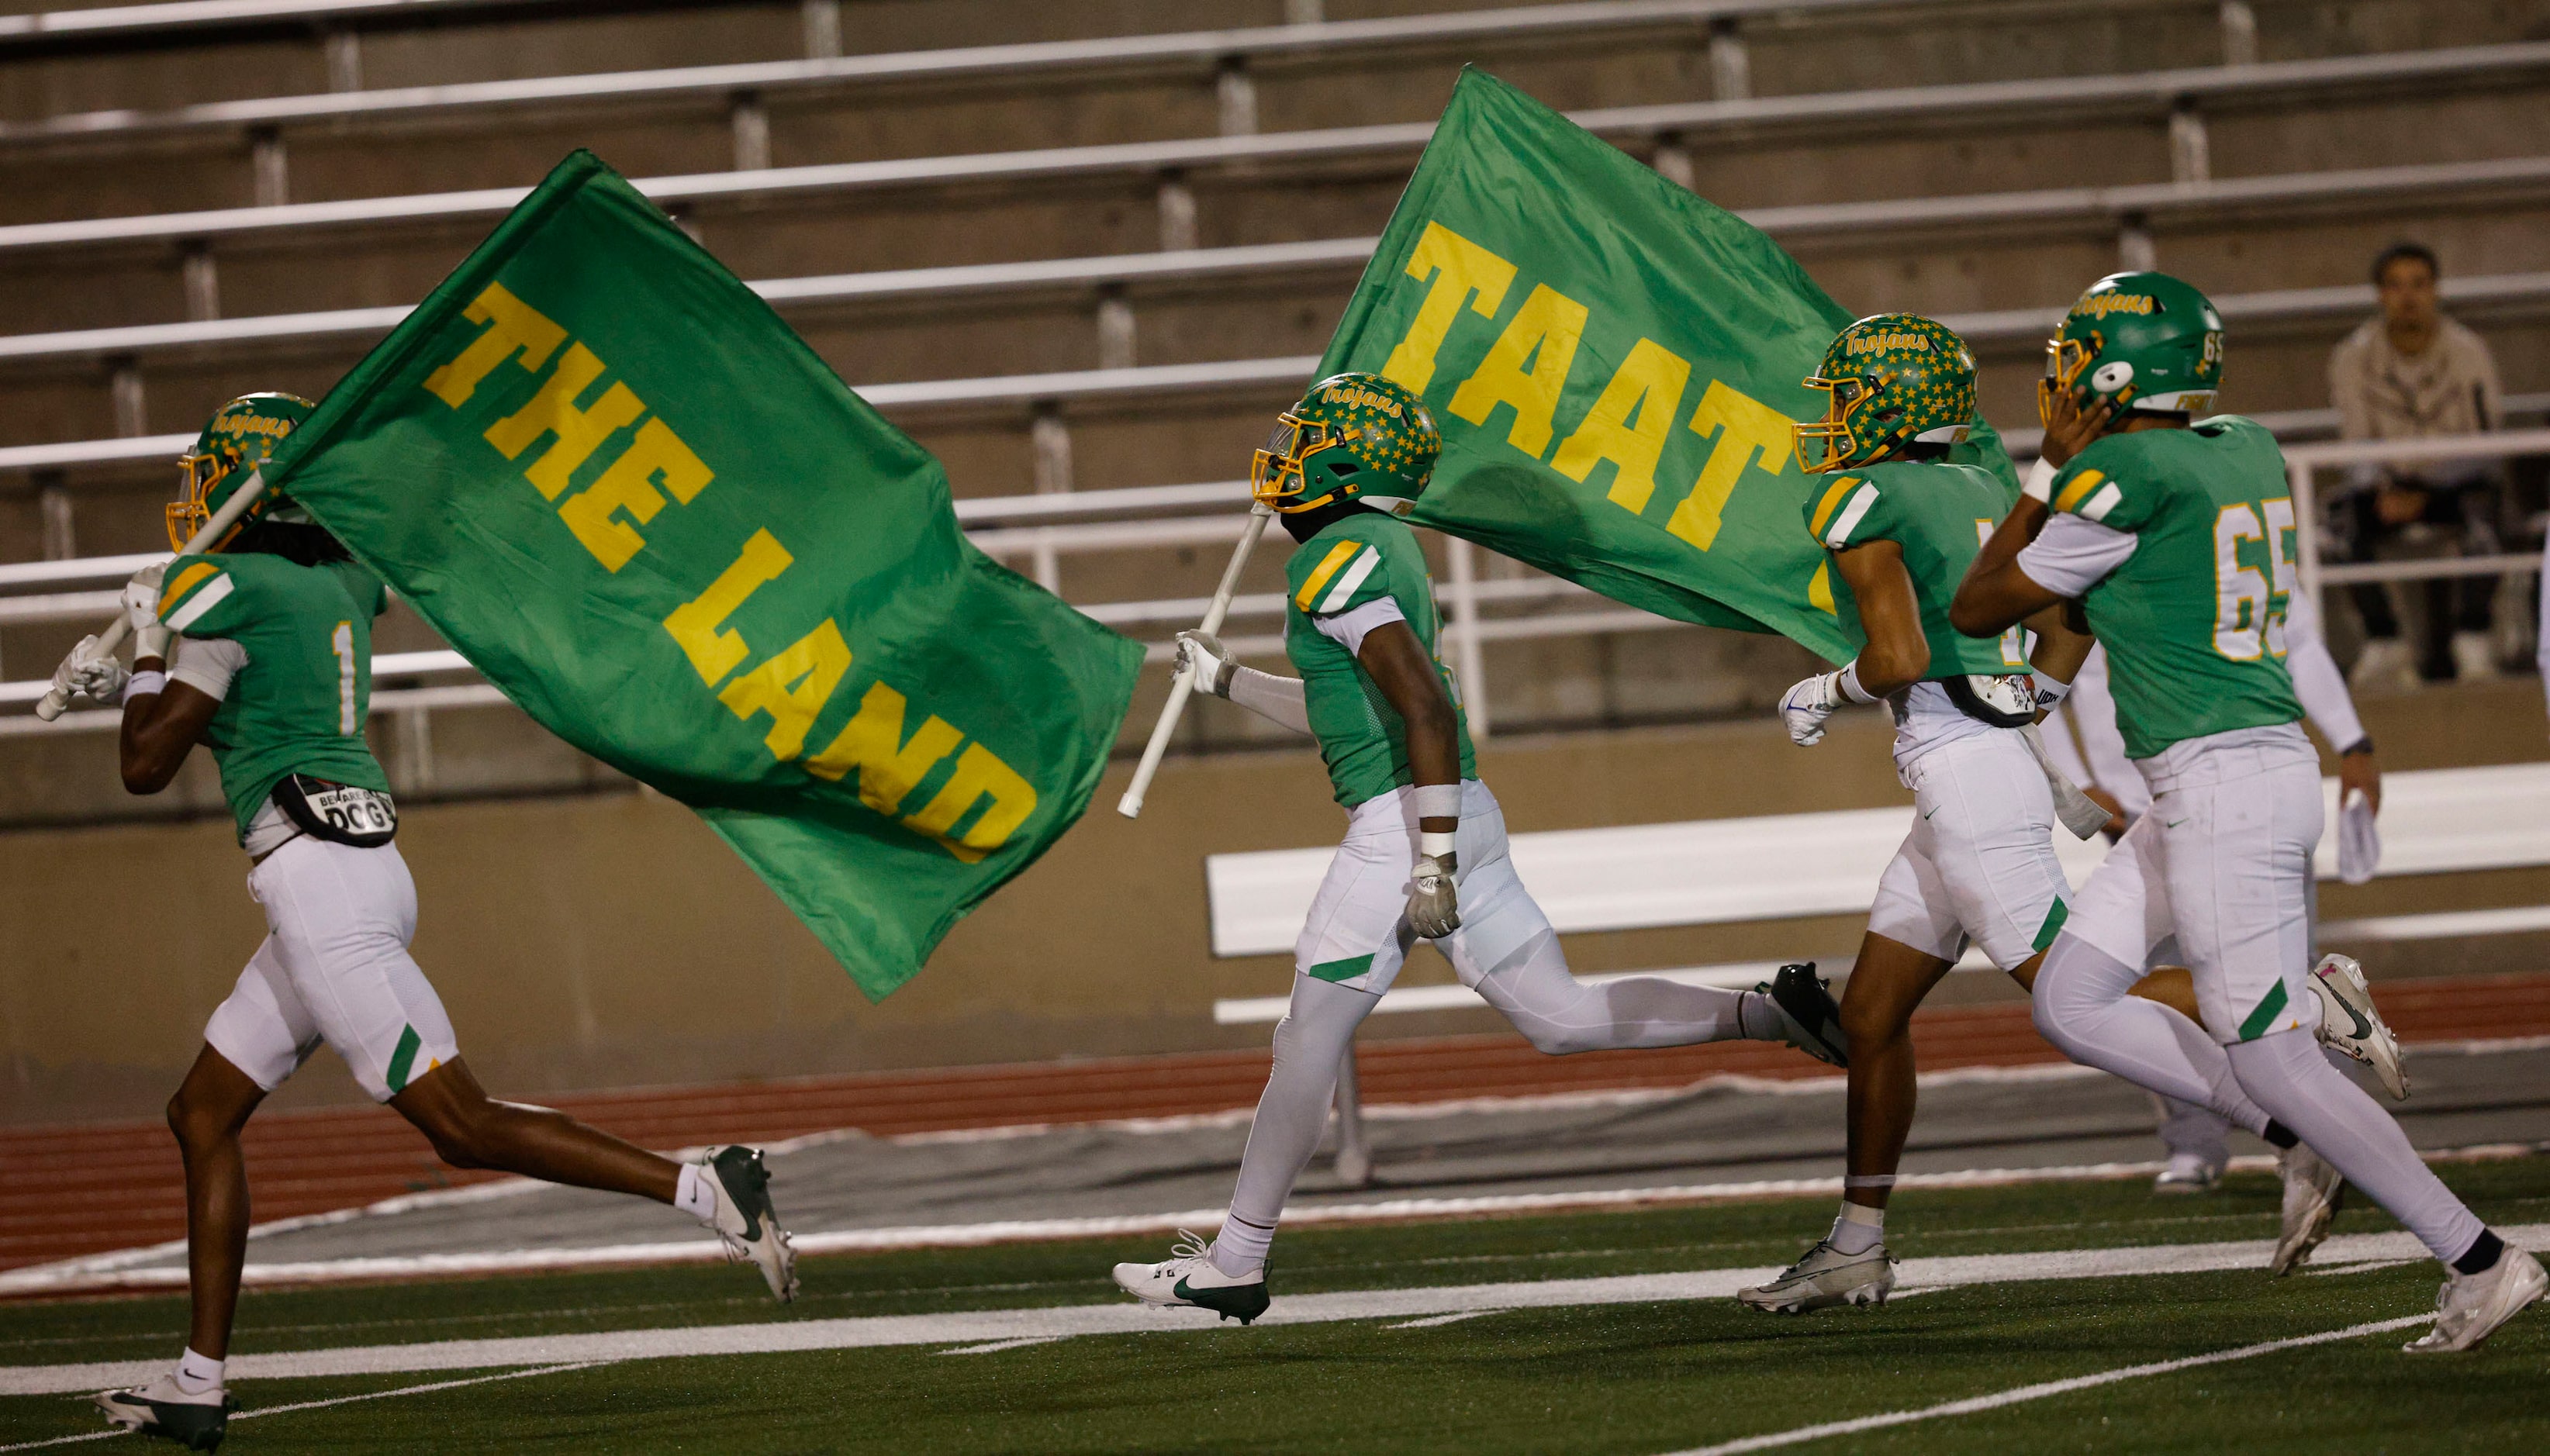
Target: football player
1425, 850
260, 649
2172, 532
2195, 1137
1901, 520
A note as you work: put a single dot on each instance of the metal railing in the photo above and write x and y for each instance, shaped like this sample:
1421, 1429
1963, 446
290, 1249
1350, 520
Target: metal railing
1150, 517
2139, 205
1995, 329
2153, 95
2303, 463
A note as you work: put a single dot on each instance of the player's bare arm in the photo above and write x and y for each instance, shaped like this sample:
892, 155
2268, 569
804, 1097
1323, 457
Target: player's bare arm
161, 729
1896, 653
1406, 675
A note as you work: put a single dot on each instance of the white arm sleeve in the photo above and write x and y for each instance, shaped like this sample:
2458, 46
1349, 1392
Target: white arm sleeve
2071, 556
1271, 696
1349, 628
208, 664
2317, 680
2094, 715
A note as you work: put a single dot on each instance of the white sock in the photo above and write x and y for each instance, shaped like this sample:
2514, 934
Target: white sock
2286, 1073
1858, 1229
1311, 1042
696, 1193
1240, 1248
195, 1374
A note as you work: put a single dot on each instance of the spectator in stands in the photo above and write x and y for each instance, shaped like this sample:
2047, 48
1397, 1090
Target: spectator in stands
2407, 373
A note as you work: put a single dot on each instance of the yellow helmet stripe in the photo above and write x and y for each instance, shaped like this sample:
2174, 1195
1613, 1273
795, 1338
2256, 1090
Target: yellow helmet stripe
1337, 556
182, 582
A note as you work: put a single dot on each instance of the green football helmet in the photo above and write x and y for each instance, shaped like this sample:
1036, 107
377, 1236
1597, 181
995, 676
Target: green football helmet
1892, 380
1357, 438
2142, 342
236, 440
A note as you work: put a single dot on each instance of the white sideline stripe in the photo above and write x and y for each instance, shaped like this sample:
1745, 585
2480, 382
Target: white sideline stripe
412, 1390
2439, 924
2048, 1388
1019, 1344
91, 1273
988, 1327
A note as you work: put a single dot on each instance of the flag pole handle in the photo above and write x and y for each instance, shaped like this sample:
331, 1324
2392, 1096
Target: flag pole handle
1130, 805
51, 706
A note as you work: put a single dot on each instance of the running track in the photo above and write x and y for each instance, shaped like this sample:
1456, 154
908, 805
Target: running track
113, 1185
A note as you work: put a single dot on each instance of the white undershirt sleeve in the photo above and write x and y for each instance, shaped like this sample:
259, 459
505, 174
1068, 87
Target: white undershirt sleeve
2071, 556
1349, 628
1273, 697
208, 664
2317, 680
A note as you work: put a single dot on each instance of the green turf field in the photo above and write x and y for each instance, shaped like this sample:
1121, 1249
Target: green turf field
1643, 1376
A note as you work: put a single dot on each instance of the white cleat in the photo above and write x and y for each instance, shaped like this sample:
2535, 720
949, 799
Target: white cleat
2470, 1307
2348, 1024
2312, 1191
2186, 1174
1823, 1277
745, 1223
1186, 1280
195, 1422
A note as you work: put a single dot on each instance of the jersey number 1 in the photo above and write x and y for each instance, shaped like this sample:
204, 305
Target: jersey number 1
343, 643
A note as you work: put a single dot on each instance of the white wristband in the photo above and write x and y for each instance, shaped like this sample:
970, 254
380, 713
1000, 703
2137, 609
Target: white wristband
1436, 801
1435, 844
142, 683
2040, 481
2049, 691
1846, 685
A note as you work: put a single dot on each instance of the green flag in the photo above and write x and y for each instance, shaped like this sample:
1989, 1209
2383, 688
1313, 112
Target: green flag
1616, 365
637, 502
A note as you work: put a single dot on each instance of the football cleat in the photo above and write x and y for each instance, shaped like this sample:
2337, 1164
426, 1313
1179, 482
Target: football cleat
2188, 1173
195, 1422
1809, 1017
2312, 1192
745, 1223
1823, 1277
1188, 1279
2348, 1024
2470, 1307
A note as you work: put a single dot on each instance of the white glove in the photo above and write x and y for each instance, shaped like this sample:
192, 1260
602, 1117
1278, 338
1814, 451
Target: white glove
1806, 707
1204, 657
141, 613
1433, 901
90, 669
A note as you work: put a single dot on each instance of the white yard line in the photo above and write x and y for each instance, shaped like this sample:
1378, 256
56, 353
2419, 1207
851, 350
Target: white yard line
2045, 1389
1433, 1320
1035, 1339
989, 1326
412, 1390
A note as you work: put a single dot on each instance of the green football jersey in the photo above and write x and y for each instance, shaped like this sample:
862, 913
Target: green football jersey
300, 703
1365, 558
1941, 515
2195, 619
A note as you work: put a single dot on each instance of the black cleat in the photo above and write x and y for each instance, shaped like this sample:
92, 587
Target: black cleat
1811, 1017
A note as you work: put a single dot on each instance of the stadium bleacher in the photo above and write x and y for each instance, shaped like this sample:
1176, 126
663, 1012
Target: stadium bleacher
1089, 263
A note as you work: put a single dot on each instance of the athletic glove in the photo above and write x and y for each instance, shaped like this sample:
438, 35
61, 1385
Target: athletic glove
1806, 707
1204, 657
141, 613
1434, 903
92, 670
